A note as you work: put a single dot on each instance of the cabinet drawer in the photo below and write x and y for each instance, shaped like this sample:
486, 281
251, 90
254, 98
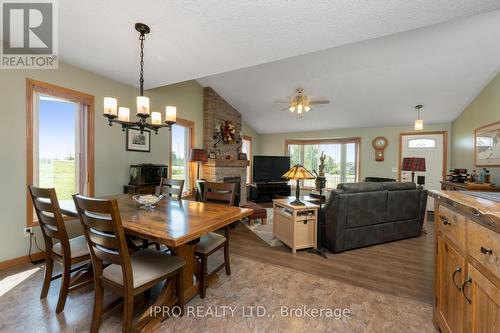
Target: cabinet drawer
452, 225
484, 246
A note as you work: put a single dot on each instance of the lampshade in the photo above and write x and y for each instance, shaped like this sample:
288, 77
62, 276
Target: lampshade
198, 155
298, 172
413, 164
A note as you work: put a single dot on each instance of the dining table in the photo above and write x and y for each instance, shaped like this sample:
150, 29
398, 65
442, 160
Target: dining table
177, 224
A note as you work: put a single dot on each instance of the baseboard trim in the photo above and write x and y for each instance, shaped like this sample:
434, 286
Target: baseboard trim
21, 260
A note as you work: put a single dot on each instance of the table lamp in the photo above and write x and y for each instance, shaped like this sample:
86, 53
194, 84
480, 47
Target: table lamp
413, 164
297, 172
198, 155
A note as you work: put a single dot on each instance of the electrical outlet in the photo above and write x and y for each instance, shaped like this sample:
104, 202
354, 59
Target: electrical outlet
27, 231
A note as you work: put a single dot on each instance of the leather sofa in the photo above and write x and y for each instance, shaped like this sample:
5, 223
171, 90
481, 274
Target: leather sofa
363, 214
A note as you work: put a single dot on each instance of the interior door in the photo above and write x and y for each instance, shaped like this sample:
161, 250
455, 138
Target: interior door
431, 147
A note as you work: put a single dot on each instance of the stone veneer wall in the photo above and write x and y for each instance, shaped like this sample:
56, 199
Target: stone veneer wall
215, 111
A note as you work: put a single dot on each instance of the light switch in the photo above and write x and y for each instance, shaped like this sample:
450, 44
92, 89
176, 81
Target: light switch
394, 169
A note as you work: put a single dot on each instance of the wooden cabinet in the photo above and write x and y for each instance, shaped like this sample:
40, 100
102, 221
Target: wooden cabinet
467, 277
139, 189
295, 226
482, 302
450, 271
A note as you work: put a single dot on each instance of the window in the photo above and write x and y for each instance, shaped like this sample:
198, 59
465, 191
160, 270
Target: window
341, 162
422, 143
246, 148
181, 144
60, 136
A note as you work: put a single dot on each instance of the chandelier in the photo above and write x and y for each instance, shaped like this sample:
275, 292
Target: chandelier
121, 115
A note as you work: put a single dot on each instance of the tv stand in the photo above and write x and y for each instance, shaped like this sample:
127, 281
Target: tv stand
262, 192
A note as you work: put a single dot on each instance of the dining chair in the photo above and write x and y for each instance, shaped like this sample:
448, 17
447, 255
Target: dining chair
128, 274
172, 187
221, 193
72, 254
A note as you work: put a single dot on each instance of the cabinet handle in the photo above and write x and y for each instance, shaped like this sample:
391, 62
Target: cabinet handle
476, 213
457, 270
469, 280
445, 220
485, 250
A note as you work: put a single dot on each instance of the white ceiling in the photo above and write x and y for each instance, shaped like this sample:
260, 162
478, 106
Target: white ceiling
196, 38
375, 82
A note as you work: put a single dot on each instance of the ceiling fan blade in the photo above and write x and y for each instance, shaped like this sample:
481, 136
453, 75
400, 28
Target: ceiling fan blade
285, 109
320, 101
281, 102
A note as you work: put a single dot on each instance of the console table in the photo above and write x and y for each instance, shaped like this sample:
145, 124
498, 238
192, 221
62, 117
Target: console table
456, 186
295, 225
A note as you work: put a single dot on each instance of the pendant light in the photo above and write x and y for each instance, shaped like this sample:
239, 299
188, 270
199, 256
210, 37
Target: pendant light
419, 123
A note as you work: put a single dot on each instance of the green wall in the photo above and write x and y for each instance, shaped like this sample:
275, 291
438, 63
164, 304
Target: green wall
274, 144
483, 110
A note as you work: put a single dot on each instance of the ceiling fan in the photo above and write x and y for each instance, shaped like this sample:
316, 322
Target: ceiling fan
301, 103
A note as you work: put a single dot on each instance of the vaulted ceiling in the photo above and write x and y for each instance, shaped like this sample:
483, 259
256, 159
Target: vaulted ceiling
320, 42
373, 83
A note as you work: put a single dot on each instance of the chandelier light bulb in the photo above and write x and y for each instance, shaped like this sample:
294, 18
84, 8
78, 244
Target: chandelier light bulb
292, 108
307, 108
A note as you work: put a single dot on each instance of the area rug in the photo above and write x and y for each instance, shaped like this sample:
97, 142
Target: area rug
264, 232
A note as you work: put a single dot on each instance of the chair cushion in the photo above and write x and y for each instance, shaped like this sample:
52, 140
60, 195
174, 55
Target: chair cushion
209, 242
78, 247
147, 265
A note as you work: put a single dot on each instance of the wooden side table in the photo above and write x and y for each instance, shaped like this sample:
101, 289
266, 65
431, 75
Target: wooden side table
295, 225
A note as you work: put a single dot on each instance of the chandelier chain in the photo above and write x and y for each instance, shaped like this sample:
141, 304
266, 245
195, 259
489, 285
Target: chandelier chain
141, 77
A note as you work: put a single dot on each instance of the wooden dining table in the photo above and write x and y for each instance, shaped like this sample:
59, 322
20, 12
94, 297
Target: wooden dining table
176, 224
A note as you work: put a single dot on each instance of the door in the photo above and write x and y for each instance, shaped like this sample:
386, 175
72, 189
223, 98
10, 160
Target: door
450, 267
483, 310
430, 146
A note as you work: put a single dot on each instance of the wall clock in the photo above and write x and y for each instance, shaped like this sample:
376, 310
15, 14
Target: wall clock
379, 144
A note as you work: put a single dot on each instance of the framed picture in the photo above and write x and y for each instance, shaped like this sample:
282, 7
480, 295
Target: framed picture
135, 141
487, 145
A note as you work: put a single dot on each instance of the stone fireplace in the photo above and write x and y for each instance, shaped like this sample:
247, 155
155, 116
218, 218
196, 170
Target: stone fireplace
215, 111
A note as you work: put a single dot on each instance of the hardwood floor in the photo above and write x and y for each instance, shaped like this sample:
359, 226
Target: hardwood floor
403, 268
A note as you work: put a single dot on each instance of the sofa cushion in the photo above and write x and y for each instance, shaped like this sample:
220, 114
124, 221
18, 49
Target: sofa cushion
399, 186
366, 208
360, 187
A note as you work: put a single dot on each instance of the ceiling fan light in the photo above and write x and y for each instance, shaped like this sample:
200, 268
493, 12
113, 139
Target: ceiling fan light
292, 108
299, 107
307, 108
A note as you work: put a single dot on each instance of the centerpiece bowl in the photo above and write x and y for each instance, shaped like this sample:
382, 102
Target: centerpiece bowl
148, 201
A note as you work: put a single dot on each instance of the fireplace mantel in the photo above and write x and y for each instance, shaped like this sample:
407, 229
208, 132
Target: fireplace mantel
220, 162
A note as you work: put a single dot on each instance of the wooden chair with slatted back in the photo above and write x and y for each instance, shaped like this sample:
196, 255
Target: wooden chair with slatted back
72, 254
172, 188
129, 274
220, 193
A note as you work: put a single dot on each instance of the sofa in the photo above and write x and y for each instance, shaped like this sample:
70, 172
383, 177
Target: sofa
362, 214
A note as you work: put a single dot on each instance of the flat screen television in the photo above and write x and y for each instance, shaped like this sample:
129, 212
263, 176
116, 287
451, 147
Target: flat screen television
270, 168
